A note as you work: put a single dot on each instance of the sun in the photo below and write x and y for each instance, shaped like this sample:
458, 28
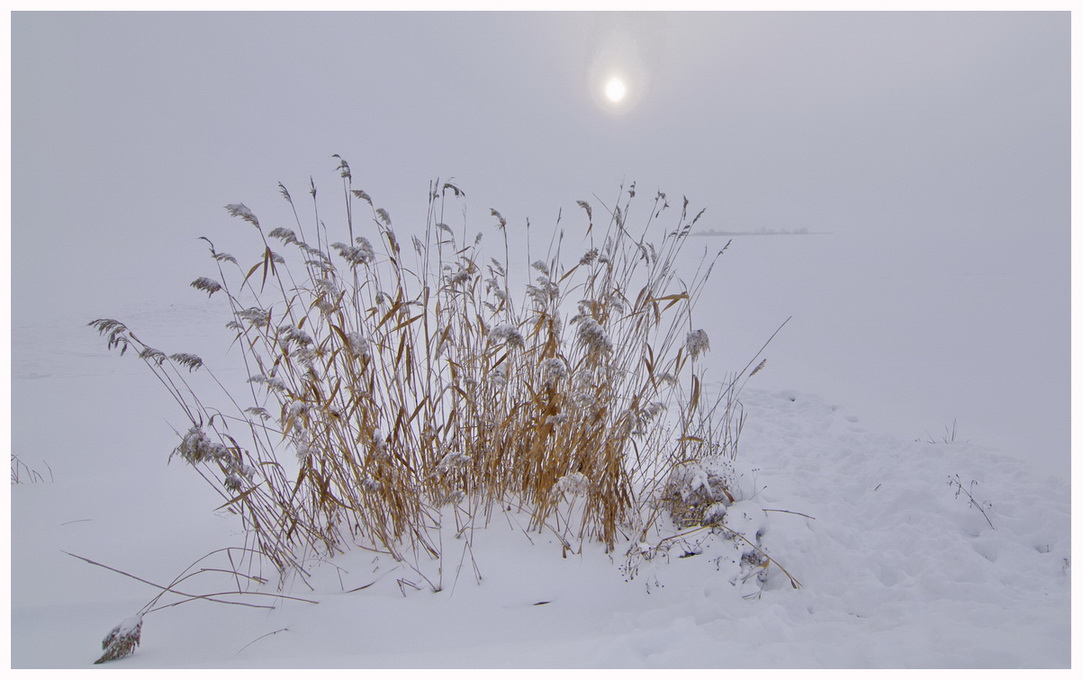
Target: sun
615, 90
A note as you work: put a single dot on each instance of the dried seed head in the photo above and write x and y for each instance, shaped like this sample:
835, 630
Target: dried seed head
255, 316
296, 409
358, 345
327, 295
454, 278
233, 482
493, 288
362, 253
326, 287
652, 410
151, 354
303, 448
195, 447
553, 370
361, 194
287, 235
544, 292
379, 444
122, 639
589, 211
189, 361
589, 258
117, 333
507, 333
592, 336
288, 334
697, 343
343, 167
210, 286
273, 383
240, 210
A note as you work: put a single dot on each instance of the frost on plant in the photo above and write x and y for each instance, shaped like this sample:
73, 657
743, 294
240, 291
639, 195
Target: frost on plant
122, 639
357, 344
593, 336
692, 492
575, 484
697, 343
507, 333
208, 285
553, 371
195, 447
361, 253
240, 210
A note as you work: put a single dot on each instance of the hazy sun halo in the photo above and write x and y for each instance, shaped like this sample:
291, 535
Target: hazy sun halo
615, 90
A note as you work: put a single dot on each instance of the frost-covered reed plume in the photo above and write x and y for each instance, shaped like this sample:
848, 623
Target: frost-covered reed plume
391, 393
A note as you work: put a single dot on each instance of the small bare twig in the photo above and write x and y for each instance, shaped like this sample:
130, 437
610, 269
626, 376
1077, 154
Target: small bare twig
789, 512
402, 583
273, 632
955, 481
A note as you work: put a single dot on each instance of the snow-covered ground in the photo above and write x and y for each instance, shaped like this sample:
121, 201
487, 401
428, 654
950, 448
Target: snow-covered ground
913, 549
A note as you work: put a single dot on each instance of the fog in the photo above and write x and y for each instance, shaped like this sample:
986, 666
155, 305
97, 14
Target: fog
929, 153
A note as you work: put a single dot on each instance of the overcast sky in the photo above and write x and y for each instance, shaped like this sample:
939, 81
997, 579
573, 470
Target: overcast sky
940, 138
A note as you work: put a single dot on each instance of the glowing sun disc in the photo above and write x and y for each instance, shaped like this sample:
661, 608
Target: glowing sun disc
615, 90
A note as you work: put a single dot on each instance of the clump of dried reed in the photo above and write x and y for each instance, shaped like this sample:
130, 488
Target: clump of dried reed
390, 392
